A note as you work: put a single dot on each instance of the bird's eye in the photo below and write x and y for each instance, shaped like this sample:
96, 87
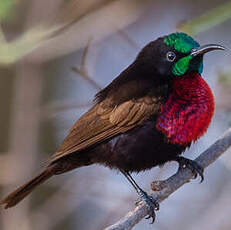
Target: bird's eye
171, 56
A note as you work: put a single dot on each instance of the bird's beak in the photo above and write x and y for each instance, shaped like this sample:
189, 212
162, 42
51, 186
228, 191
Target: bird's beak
206, 48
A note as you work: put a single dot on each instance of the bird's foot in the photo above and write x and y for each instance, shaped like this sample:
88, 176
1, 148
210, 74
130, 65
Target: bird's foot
150, 202
192, 165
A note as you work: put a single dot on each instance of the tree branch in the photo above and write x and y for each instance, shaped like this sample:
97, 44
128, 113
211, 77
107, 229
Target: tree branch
163, 189
82, 70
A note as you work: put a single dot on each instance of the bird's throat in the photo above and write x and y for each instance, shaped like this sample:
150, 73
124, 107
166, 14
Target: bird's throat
186, 115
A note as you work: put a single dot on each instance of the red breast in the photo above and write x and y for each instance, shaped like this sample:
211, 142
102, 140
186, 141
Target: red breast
186, 115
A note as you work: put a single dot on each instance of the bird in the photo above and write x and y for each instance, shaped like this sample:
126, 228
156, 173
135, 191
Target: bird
147, 116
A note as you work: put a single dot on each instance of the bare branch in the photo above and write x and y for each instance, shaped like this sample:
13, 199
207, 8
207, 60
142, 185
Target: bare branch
163, 189
82, 70
84, 57
128, 38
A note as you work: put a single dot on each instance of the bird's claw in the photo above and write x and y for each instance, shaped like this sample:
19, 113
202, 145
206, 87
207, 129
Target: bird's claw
192, 165
151, 203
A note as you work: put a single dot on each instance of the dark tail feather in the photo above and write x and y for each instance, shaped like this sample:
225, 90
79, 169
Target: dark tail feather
19, 194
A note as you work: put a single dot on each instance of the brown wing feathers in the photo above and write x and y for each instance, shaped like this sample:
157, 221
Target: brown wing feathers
102, 122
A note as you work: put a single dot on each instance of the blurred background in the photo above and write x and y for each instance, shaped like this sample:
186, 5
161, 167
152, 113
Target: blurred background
54, 56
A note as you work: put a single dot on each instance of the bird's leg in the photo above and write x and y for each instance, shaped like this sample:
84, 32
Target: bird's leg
148, 200
192, 165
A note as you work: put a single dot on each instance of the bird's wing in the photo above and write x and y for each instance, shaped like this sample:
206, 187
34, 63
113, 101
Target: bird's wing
103, 121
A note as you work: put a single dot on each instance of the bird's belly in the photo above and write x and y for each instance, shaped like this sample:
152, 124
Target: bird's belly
139, 149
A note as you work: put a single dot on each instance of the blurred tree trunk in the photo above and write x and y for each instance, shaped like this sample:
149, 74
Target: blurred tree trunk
23, 139
24, 129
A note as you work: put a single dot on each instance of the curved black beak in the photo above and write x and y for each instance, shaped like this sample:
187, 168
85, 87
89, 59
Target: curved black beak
206, 48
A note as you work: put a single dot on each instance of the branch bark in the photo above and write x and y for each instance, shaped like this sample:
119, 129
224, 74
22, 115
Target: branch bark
163, 189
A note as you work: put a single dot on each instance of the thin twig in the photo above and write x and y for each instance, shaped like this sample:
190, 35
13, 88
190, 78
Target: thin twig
163, 189
82, 70
128, 38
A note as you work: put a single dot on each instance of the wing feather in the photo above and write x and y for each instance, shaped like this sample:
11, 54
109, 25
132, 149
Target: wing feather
103, 122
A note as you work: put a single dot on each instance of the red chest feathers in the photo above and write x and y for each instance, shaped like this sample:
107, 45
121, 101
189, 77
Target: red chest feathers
186, 115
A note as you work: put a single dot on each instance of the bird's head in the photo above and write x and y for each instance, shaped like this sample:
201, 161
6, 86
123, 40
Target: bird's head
174, 55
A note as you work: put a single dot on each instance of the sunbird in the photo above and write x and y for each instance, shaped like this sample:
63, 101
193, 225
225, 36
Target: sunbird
147, 116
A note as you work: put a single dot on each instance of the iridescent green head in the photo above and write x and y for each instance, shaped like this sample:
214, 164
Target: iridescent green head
184, 44
181, 42
174, 55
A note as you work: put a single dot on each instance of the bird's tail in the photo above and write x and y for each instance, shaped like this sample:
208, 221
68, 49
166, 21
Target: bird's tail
19, 194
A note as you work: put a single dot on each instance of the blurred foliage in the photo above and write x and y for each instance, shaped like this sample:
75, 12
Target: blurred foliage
225, 79
207, 20
6, 6
11, 52
70, 12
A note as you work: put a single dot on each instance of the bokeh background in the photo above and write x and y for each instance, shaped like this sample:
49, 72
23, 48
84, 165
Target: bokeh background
54, 56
